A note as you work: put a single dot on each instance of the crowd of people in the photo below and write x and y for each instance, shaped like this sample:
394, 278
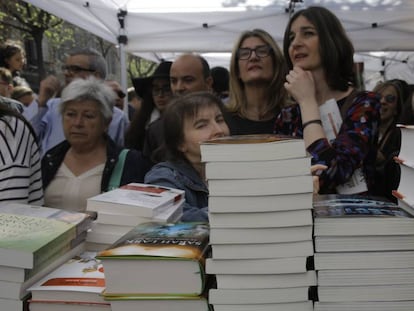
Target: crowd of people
66, 140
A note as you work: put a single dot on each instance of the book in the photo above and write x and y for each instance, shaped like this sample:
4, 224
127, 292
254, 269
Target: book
365, 306
258, 169
244, 281
256, 266
363, 277
406, 181
289, 306
158, 303
364, 243
40, 305
25, 240
106, 234
261, 186
162, 253
79, 279
260, 235
136, 199
407, 139
393, 292
261, 219
266, 203
11, 304
403, 202
115, 217
257, 296
257, 147
262, 250
19, 289
364, 260
352, 215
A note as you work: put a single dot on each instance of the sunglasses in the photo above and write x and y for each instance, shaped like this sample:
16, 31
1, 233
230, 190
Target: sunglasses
120, 94
166, 91
76, 69
390, 99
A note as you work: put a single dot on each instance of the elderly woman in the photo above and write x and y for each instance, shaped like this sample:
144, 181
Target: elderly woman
82, 165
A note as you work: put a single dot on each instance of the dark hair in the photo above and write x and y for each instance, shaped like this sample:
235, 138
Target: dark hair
396, 84
96, 60
181, 108
335, 48
205, 66
221, 79
7, 50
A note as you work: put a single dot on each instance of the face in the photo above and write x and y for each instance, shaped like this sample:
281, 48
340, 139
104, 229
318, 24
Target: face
16, 62
304, 45
120, 95
255, 68
207, 124
77, 66
388, 101
26, 99
186, 76
83, 124
161, 93
5, 88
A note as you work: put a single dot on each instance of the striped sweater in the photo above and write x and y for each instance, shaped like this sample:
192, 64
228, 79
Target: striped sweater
20, 165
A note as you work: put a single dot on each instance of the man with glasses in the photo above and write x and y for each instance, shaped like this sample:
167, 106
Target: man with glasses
80, 63
189, 73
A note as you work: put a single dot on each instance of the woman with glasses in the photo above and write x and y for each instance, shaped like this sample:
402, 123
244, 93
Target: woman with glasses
389, 143
156, 93
321, 81
257, 73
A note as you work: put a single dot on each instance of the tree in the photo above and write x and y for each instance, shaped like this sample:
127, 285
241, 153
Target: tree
36, 24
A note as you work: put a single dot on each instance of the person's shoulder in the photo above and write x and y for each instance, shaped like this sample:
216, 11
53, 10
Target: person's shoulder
12, 103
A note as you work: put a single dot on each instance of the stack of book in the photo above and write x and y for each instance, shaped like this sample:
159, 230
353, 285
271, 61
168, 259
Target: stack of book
364, 254
260, 213
158, 266
34, 240
75, 285
120, 210
405, 194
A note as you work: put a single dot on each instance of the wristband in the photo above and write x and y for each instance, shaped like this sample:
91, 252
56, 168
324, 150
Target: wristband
315, 121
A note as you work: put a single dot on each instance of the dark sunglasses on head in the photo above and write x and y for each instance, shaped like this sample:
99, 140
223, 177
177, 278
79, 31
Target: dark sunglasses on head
76, 69
120, 93
390, 99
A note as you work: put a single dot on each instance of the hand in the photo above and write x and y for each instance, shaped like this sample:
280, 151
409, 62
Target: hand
300, 84
316, 171
49, 87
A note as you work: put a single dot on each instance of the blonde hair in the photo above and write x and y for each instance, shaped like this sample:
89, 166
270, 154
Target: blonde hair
276, 92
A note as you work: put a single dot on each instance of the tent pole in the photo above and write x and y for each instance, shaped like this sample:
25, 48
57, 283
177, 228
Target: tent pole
123, 41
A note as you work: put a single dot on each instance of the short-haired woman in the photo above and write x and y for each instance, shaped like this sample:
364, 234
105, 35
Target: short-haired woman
189, 120
81, 166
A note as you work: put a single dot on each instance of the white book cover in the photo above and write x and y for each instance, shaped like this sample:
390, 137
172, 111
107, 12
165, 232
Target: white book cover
135, 198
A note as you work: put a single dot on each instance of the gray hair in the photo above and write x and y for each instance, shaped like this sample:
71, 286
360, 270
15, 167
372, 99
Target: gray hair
90, 89
96, 60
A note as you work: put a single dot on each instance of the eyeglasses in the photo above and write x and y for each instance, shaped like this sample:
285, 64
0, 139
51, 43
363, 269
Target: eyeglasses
76, 69
390, 99
120, 93
261, 51
166, 91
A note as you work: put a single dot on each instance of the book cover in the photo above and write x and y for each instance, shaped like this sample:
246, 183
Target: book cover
80, 279
354, 215
136, 199
164, 252
26, 240
257, 147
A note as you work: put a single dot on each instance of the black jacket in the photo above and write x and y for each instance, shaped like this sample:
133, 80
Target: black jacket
135, 168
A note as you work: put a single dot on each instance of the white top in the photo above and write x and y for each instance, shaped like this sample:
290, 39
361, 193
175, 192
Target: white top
69, 192
20, 174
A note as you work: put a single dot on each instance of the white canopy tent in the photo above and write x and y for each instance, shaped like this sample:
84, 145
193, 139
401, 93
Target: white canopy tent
158, 29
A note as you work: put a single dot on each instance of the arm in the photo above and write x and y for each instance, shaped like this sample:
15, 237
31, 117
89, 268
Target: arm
355, 140
164, 176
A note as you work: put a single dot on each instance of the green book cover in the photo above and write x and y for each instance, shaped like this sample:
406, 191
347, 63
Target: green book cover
25, 240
